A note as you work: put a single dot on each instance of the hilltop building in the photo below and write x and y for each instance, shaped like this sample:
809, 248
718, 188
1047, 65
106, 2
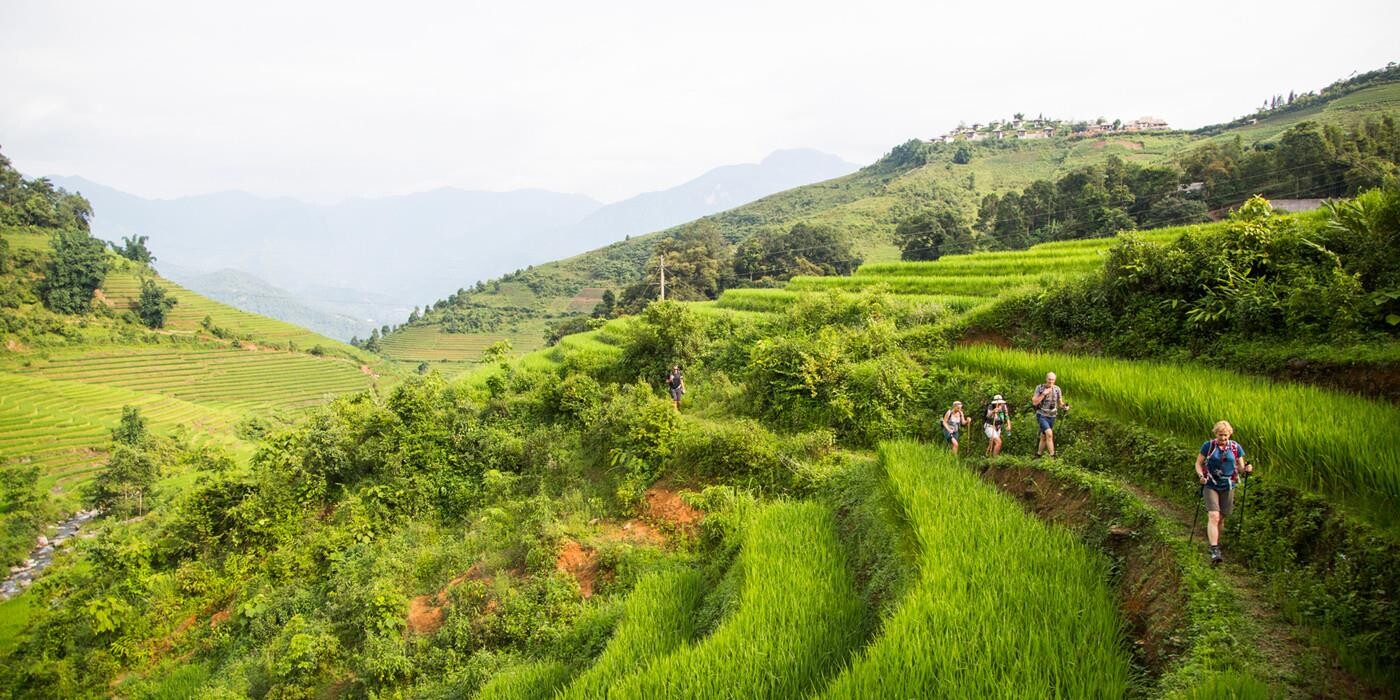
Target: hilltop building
1046, 128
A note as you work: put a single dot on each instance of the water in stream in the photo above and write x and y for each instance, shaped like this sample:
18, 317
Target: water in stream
28, 571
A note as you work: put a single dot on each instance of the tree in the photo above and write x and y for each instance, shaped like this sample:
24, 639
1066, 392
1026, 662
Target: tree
963, 155
131, 429
604, 308
1175, 210
123, 486
413, 316
153, 304
1011, 228
4, 255
372, 343
1305, 155
932, 233
134, 248
76, 269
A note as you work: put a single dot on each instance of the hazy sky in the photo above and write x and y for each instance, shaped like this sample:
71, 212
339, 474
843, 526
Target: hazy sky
325, 100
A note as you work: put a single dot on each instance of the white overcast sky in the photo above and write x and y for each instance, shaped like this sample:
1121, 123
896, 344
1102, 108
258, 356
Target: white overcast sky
326, 100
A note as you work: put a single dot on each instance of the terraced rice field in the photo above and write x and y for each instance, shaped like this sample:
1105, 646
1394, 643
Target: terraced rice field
61, 425
123, 288
429, 344
234, 379
798, 616
984, 562
1350, 454
773, 300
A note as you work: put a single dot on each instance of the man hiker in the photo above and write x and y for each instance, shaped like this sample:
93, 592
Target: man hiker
995, 422
1047, 400
1218, 466
676, 382
953, 421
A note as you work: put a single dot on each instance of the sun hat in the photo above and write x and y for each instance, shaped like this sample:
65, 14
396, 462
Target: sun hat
998, 399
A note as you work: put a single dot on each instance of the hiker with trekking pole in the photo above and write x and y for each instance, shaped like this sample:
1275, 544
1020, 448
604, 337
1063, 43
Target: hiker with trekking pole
1219, 466
1047, 401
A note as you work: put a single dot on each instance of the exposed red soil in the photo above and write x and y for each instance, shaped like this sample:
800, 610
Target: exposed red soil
664, 505
1148, 587
102, 297
634, 531
218, 618
985, 337
580, 562
425, 612
15, 346
370, 372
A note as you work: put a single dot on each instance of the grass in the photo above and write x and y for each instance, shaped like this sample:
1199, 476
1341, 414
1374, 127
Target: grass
529, 681
123, 287
775, 300
990, 285
798, 616
658, 618
1004, 605
428, 343
61, 426
1311, 438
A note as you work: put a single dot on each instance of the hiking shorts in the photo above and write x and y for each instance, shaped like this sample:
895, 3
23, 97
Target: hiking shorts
1221, 501
1045, 422
993, 432
676, 393
950, 436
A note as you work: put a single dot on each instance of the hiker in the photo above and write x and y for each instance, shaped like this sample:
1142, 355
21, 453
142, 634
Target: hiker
953, 421
676, 382
1047, 400
996, 421
1218, 466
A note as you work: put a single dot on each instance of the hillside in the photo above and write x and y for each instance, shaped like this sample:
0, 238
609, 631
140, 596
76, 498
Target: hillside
204, 375
552, 527
866, 207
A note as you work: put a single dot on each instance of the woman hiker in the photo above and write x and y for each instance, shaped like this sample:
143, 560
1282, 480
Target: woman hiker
953, 421
995, 422
675, 381
1218, 466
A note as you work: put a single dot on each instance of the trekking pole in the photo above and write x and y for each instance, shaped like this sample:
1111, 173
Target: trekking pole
1200, 495
1244, 486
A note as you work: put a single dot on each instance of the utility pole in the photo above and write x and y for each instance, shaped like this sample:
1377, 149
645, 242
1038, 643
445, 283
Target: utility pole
663, 277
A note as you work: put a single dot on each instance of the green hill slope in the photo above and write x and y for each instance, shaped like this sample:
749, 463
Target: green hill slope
209, 368
865, 206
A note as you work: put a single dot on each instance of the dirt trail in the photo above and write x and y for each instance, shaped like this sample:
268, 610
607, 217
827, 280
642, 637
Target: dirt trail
1307, 669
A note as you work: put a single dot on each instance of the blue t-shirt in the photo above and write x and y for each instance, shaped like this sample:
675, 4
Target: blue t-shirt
1221, 463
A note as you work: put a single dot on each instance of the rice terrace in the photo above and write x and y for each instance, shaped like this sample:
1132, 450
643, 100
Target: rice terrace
1025, 408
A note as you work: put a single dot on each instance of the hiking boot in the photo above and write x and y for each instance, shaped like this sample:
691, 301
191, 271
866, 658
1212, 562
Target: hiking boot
1215, 557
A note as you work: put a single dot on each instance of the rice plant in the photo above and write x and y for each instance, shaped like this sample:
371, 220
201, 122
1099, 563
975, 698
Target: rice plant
1004, 605
1310, 438
798, 617
535, 680
990, 285
658, 618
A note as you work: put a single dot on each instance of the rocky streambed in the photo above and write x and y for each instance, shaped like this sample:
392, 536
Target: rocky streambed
23, 575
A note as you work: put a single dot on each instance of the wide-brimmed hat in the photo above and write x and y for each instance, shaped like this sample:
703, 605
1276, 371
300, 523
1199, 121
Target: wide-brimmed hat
998, 399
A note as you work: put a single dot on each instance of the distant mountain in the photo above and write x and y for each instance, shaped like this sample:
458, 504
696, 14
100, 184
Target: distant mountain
717, 190
335, 315
374, 259
408, 247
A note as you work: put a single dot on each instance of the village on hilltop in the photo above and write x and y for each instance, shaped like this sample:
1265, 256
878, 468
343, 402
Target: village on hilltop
1042, 128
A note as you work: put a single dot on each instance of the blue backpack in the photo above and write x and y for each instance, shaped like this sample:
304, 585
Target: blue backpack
1234, 448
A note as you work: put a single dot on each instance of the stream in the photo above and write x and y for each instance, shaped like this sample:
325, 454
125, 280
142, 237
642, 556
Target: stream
28, 571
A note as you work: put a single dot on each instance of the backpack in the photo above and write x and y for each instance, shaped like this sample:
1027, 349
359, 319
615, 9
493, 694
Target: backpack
1234, 448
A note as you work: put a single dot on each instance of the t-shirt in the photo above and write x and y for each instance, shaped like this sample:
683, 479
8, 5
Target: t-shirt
1050, 402
955, 419
1221, 463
